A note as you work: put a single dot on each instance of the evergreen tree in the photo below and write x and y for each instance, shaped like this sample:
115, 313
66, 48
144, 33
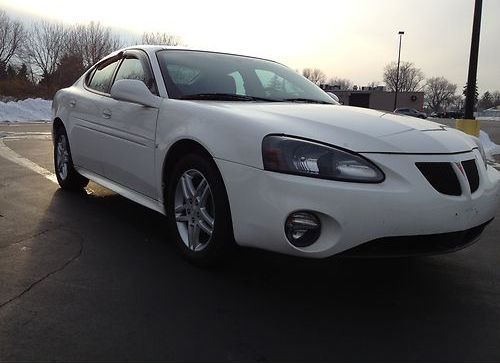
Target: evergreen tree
22, 73
70, 68
3, 71
11, 72
476, 94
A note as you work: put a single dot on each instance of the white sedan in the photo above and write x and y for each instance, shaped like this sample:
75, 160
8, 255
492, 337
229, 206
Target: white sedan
243, 151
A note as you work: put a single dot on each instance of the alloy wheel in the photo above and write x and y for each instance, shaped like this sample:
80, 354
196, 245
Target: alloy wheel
62, 157
194, 210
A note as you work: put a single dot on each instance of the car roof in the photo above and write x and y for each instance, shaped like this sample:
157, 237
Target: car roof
151, 49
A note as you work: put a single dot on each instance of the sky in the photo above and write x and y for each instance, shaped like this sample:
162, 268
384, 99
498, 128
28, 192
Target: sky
351, 39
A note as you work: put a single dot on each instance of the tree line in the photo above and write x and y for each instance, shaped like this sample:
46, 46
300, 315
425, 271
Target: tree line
439, 93
38, 60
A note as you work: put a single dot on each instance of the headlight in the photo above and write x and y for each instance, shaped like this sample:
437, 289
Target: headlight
296, 156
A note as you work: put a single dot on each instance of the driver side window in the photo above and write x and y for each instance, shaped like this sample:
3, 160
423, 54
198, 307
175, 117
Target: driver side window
133, 69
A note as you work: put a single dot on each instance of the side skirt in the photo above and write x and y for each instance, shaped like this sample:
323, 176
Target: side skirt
122, 190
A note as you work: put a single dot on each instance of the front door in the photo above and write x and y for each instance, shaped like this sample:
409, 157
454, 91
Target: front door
128, 155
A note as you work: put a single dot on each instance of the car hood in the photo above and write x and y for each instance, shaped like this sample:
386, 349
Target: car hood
357, 129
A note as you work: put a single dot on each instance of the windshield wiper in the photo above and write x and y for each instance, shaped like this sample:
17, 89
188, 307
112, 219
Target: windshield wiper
310, 101
224, 97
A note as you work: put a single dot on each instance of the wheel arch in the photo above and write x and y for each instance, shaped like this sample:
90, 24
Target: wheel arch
177, 150
56, 125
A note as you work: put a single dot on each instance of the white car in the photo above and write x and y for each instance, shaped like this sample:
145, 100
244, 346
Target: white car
243, 151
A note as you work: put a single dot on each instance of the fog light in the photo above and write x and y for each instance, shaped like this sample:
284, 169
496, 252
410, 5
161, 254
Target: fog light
302, 228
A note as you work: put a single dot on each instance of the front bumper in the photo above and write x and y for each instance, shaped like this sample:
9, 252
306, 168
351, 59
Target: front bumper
397, 246
351, 214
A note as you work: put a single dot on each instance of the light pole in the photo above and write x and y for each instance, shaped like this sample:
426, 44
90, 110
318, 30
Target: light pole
397, 74
469, 124
474, 50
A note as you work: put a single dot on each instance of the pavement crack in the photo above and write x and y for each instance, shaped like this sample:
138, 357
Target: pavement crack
28, 321
38, 233
35, 283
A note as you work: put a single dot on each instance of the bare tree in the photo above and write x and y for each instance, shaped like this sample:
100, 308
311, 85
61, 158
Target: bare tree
342, 83
486, 101
92, 42
315, 75
410, 77
45, 47
456, 103
439, 93
373, 84
160, 39
12, 37
496, 98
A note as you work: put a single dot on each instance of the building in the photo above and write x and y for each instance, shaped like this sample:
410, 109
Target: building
377, 98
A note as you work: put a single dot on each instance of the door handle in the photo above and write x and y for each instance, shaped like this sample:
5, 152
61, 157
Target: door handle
72, 103
106, 114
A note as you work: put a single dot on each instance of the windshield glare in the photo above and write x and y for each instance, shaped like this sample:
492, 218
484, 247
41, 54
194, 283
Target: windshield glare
190, 73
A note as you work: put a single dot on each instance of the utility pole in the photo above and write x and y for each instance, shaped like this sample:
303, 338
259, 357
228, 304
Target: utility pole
470, 97
397, 74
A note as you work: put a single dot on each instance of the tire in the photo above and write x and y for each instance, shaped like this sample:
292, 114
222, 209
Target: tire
67, 177
198, 212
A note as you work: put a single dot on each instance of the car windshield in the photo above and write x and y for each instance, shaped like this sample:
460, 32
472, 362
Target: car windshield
198, 75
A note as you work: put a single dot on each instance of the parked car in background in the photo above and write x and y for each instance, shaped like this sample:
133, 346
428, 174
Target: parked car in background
411, 112
242, 150
451, 115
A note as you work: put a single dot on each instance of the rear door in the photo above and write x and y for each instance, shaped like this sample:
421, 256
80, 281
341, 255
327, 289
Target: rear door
128, 153
87, 134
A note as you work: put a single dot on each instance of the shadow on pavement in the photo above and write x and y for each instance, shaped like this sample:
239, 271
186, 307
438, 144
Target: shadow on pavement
128, 296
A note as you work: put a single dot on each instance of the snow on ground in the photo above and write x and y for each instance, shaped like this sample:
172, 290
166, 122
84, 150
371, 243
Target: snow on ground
490, 148
26, 110
489, 118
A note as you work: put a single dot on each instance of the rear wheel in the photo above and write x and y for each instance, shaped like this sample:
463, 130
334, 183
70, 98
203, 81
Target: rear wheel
198, 211
67, 177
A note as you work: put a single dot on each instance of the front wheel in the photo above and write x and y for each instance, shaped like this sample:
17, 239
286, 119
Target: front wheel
67, 177
198, 211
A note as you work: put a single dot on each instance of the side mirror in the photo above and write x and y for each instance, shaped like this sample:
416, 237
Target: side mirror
134, 91
333, 96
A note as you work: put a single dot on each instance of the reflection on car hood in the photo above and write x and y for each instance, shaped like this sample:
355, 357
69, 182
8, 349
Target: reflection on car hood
357, 129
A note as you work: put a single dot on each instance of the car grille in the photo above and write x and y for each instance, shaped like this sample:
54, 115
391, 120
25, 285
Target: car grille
444, 179
470, 169
441, 176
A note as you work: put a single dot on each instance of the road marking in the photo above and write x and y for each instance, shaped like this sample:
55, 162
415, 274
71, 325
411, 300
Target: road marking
12, 156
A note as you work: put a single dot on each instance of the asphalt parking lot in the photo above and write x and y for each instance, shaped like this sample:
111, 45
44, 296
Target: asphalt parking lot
90, 277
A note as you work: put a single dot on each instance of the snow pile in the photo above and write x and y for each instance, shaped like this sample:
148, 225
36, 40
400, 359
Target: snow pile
26, 110
490, 148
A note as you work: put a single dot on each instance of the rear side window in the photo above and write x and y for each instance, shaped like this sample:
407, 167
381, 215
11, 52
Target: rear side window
101, 80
